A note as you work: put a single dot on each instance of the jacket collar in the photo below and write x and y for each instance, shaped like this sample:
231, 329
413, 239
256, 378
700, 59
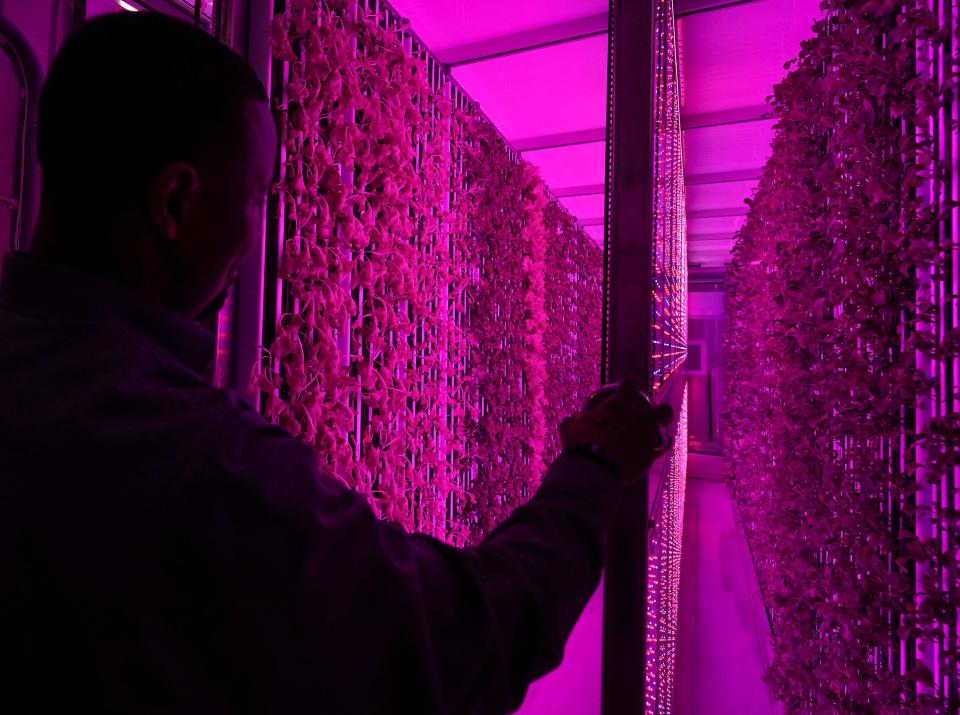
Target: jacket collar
53, 291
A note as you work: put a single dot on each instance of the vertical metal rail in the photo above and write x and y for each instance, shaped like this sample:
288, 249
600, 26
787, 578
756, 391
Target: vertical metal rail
626, 339
945, 399
27, 188
243, 26
921, 653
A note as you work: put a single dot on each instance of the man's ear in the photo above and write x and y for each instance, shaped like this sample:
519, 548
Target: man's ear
173, 193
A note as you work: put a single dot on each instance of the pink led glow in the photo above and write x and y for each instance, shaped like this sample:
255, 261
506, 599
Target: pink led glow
574, 687
730, 60
668, 348
585, 207
733, 56
577, 165
720, 195
663, 578
727, 147
714, 226
841, 366
710, 252
668, 340
442, 24
595, 233
412, 318
706, 303
552, 90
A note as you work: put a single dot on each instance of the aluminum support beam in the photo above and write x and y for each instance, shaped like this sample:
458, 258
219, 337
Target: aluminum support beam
682, 8
721, 177
554, 141
627, 334
583, 190
516, 42
717, 213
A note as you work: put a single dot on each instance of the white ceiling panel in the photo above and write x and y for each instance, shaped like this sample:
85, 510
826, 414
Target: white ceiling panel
585, 207
727, 147
714, 226
443, 24
575, 165
732, 56
720, 195
709, 254
730, 59
538, 70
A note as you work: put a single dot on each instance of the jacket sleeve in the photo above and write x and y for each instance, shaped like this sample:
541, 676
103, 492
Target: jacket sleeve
328, 609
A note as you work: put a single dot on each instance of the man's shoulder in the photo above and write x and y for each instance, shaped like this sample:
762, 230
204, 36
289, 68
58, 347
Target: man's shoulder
222, 444
246, 452
219, 422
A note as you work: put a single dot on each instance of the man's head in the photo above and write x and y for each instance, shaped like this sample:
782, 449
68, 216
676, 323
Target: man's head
156, 145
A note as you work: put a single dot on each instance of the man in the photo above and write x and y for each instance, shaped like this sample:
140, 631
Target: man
163, 548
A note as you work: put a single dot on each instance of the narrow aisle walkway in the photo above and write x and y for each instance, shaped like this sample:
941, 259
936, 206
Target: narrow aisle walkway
722, 647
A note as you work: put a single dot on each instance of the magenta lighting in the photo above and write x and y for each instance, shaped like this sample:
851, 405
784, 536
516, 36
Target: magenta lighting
669, 295
842, 408
418, 258
452, 222
663, 577
668, 348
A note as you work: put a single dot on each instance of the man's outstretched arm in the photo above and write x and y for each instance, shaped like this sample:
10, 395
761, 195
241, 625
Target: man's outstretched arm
329, 609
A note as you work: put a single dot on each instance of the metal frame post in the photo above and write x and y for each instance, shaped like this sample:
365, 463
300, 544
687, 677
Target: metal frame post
627, 329
244, 26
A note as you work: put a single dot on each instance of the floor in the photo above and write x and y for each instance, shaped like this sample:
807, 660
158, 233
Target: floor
574, 687
723, 646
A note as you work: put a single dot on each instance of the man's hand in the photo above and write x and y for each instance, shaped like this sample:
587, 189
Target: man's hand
623, 424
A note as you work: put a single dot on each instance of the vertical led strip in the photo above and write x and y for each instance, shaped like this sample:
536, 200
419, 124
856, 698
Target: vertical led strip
663, 577
668, 349
668, 343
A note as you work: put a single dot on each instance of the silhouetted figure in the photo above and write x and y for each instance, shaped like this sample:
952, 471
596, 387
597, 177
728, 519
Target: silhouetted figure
164, 549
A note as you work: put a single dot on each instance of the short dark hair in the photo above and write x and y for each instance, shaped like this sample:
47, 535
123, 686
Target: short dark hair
129, 93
